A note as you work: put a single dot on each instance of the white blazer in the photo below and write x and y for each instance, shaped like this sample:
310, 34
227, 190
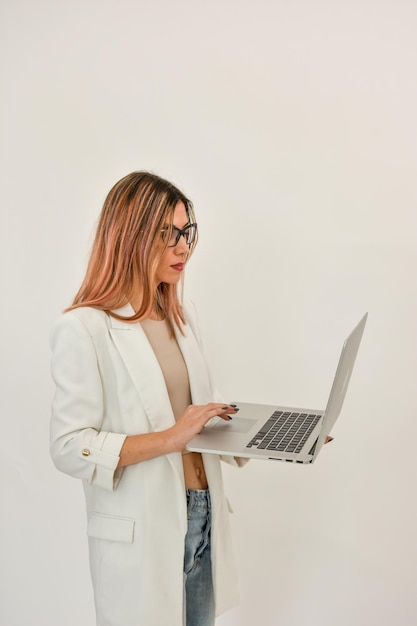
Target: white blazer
109, 385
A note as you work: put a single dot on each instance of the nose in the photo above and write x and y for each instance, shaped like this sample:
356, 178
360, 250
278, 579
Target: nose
182, 246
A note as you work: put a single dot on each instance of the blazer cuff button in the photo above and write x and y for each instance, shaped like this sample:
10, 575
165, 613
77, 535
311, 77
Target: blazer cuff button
85, 452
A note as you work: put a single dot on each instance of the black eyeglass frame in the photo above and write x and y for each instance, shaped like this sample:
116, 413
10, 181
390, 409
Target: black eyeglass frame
180, 232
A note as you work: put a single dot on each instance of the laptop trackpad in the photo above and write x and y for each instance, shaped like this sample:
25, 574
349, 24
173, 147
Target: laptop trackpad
238, 425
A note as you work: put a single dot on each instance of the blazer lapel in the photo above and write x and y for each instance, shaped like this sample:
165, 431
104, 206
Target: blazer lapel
142, 364
145, 372
196, 366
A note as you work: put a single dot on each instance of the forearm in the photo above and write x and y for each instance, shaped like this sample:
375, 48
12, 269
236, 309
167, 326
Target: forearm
138, 448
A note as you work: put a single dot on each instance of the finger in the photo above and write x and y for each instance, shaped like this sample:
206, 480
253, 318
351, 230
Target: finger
217, 411
222, 406
204, 413
224, 413
229, 408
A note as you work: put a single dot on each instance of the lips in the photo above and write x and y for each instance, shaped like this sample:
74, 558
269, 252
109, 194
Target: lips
179, 267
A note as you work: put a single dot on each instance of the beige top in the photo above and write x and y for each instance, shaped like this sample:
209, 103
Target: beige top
172, 364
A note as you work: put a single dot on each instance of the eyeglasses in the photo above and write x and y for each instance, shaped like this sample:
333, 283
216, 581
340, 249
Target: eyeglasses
189, 233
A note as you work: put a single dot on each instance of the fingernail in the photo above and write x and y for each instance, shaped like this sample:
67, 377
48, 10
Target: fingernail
230, 418
224, 408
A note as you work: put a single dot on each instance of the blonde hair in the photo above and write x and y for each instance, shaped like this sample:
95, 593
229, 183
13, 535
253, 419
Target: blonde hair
128, 246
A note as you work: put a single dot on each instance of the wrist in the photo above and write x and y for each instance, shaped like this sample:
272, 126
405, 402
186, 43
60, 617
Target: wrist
172, 440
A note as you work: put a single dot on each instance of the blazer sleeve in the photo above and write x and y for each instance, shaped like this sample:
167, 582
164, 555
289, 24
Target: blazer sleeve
192, 319
78, 446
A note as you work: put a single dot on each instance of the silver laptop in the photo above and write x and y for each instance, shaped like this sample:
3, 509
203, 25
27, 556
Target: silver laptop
280, 433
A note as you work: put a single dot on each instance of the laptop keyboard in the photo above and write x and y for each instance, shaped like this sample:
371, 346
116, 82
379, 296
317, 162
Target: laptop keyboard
285, 431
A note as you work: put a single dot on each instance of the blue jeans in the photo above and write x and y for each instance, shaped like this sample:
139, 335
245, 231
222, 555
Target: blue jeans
198, 585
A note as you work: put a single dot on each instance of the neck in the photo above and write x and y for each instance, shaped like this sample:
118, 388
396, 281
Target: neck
157, 312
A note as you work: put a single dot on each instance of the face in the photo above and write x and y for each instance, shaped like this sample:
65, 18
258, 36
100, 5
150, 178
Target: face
173, 261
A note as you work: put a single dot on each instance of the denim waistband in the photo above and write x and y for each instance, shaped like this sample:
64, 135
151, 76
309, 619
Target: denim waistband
198, 498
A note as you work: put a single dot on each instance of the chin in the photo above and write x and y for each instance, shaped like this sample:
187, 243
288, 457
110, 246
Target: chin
170, 280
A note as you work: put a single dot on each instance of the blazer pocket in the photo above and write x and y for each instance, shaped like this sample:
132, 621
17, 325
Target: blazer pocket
110, 527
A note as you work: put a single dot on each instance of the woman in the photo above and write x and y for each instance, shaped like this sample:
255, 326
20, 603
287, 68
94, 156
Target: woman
132, 389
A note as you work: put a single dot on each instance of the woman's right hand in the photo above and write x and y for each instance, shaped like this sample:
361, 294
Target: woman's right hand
193, 420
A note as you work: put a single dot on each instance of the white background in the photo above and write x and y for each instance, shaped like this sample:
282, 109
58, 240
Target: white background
292, 126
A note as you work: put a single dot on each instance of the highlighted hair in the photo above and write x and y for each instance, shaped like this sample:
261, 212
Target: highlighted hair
127, 249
